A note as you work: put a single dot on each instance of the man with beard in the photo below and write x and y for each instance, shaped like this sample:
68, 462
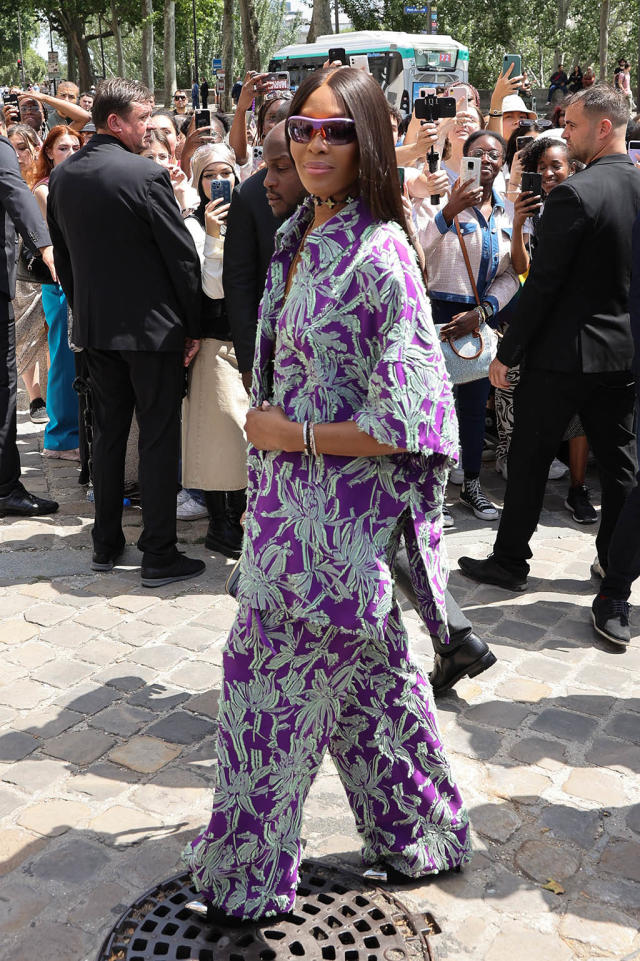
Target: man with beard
131, 273
572, 336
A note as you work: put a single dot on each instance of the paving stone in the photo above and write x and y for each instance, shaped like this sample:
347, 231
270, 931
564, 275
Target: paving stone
81, 747
598, 930
35, 774
47, 615
64, 673
626, 726
158, 698
543, 668
542, 860
495, 821
623, 859
521, 689
572, 824
633, 818
103, 650
163, 615
517, 783
536, 750
516, 896
9, 801
103, 780
121, 719
135, 633
121, 826
204, 704
32, 654
88, 699
517, 941
133, 603
521, 631
474, 742
99, 618
564, 724
216, 619
144, 754
172, 792
14, 745
106, 900
19, 905
196, 676
160, 657
597, 704
180, 727
70, 636
607, 752
604, 678
49, 721
51, 941
126, 677
611, 890
17, 846
54, 817
498, 714
74, 861
16, 630
25, 694
602, 787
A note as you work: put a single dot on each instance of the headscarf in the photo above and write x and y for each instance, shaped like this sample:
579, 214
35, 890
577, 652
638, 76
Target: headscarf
210, 153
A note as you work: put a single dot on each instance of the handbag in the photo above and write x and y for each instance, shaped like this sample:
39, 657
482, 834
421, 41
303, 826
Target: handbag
468, 358
231, 583
32, 269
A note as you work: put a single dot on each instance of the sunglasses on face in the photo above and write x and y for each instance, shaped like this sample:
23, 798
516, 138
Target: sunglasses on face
179, 98
336, 131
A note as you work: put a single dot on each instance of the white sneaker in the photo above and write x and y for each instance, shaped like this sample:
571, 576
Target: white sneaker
473, 497
190, 510
456, 476
447, 518
557, 469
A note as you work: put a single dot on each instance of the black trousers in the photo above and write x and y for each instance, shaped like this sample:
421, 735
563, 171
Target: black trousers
544, 403
624, 550
151, 382
458, 623
9, 457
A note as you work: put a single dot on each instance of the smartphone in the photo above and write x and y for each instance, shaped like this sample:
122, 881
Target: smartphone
516, 60
276, 81
470, 170
461, 98
257, 154
401, 177
533, 182
360, 61
427, 91
203, 117
522, 142
434, 108
11, 98
221, 188
338, 53
633, 149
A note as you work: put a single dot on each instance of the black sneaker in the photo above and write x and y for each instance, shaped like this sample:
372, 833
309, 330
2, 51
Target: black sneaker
611, 619
105, 560
180, 569
447, 518
38, 411
579, 505
473, 497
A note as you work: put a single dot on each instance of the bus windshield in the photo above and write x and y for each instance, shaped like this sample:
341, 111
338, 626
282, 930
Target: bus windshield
436, 59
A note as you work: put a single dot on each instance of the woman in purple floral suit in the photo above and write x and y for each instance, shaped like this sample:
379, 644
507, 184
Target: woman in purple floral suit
352, 432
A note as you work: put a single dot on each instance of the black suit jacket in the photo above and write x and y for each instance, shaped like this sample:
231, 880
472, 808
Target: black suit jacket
125, 259
634, 298
573, 311
248, 247
19, 212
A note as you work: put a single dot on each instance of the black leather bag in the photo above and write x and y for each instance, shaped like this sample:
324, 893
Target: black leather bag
32, 269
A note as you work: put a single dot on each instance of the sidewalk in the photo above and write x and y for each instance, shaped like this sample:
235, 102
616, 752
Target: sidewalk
108, 699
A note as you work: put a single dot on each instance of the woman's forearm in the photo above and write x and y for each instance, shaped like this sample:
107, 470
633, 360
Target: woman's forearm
519, 253
238, 136
343, 439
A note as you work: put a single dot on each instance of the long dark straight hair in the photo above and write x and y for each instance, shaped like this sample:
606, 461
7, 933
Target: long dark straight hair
361, 98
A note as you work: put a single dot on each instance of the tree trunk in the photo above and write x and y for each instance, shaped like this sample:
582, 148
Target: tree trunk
227, 54
72, 73
147, 44
86, 76
117, 36
252, 58
604, 37
561, 26
320, 20
169, 52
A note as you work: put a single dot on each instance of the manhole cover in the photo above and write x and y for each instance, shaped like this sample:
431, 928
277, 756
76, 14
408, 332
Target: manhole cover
337, 917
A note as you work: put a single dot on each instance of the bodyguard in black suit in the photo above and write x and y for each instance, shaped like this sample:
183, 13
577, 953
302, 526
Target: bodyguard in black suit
132, 276
572, 336
19, 212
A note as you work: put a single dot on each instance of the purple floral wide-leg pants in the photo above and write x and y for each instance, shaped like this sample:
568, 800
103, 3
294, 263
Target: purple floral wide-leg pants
291, 690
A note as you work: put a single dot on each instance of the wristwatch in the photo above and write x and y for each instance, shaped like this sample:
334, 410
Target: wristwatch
495, 113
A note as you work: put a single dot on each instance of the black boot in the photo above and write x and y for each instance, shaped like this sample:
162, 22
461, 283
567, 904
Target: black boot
236, 506
222, 535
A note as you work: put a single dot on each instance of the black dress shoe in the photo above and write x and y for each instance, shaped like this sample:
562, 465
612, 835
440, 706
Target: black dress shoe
488, 571
181, 568
105, 560
216, 917
24, 504
386, 874
471, 658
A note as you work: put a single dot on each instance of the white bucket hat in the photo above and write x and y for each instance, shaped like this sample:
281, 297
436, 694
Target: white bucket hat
514, 103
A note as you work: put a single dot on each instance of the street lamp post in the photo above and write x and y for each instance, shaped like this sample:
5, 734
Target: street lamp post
21, 53
104, 75
195, 42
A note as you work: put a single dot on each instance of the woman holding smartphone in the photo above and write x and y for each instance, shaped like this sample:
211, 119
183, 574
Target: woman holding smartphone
351, 431
214, 456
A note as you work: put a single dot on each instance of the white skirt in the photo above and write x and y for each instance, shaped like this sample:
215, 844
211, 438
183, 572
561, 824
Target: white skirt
214, 445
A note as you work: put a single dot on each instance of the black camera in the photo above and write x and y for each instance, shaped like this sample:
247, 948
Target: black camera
433, 108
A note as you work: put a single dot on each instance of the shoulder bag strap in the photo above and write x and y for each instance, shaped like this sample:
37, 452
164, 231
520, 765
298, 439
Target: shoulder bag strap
467, 262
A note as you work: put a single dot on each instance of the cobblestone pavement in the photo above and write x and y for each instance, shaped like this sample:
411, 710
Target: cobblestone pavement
108, 696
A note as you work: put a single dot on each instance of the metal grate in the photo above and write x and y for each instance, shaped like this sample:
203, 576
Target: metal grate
337, 917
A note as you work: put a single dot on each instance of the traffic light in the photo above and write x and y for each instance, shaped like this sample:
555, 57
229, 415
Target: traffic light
19, 63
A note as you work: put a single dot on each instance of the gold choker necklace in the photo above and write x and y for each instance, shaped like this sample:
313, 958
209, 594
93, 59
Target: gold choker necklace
331, 202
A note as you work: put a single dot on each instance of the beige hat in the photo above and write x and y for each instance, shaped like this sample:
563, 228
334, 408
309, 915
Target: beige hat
514, 103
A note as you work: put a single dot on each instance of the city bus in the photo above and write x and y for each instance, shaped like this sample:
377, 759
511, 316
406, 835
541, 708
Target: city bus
402, 63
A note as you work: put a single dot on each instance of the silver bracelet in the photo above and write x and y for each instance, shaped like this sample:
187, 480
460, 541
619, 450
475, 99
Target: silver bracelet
312, 439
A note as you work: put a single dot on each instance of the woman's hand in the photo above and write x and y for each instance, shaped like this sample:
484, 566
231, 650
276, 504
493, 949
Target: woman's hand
248, 92
462, 195
506, 84
527, 205
215, 214
427, 137
459, 325
436, 183
180, 184
515, 176
269, 428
